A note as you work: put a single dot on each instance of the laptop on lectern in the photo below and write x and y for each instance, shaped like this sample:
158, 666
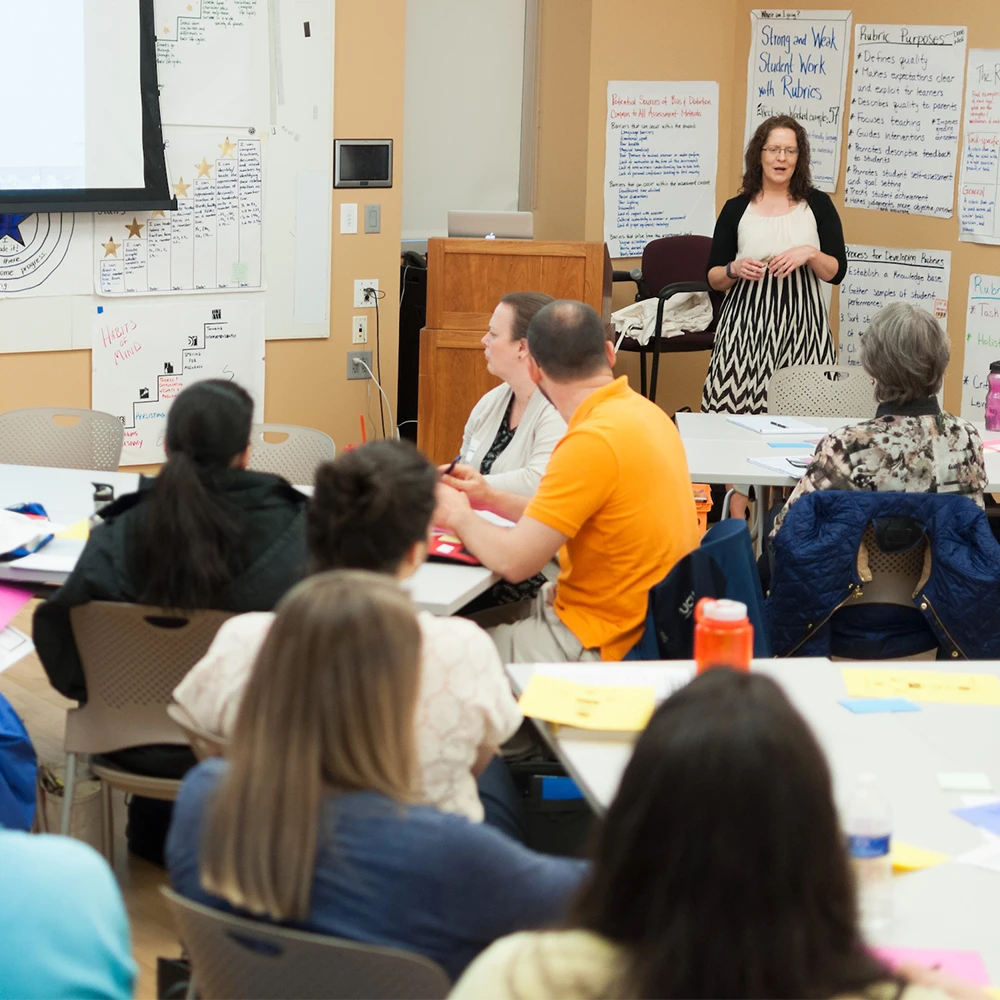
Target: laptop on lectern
492, 225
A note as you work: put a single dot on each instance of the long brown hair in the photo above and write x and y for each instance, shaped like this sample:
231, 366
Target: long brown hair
720, 868
801, 185
329, 707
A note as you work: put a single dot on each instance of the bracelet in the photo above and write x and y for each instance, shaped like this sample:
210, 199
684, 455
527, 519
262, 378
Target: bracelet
729, 273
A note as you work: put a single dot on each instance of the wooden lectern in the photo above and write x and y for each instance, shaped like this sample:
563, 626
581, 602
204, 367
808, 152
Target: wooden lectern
465, 281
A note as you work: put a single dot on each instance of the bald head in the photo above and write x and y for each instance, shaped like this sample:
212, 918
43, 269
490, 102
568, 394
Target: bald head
567, 341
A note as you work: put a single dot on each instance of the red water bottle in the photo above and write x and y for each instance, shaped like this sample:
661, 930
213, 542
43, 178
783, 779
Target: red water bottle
723, 635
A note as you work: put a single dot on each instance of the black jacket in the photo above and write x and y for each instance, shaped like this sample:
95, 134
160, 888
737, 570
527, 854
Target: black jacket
831, 233
272, 516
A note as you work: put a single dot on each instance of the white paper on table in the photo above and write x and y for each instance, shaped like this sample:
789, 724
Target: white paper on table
663, 679
18, 530
781, 465
762, 423
985, 856
47, 562
14, 646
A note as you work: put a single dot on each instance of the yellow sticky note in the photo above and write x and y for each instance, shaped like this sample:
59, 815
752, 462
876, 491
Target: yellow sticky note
992, 991
80, 530
907, 858
922, 685
618, 709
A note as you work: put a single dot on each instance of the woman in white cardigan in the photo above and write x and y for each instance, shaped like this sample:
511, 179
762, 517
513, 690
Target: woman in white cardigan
512, 430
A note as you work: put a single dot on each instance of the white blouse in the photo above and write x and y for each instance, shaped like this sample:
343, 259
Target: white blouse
765, 236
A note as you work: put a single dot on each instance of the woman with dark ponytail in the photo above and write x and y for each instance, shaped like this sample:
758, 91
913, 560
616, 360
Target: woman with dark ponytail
205, 533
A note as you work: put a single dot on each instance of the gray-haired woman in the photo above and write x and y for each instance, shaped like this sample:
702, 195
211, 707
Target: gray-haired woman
910, 445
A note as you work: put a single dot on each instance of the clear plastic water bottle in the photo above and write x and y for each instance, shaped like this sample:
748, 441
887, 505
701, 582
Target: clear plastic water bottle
868, 825
993, 398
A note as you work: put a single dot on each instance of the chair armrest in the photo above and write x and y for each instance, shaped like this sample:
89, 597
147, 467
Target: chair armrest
678, 287
634, 275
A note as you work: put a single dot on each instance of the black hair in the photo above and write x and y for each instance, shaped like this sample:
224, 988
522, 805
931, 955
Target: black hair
369, 507
720, 866
567, 340
189, 540
524, 305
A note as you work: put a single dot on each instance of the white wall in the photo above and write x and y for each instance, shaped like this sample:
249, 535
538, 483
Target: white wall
464, 75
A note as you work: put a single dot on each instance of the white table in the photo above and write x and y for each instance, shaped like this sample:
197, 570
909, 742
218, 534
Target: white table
67, 495
718, 451
951, 905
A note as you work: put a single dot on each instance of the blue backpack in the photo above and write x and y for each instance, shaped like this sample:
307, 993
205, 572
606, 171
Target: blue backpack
18, 771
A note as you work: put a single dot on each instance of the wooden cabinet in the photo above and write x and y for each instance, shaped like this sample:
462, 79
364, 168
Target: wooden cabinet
466, 279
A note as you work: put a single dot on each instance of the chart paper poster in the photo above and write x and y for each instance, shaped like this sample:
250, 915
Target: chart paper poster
145, 352
661, 154
877, 276
982, 342
212, 61
902, 130
798, 66
45, 253
213, 242
980, 176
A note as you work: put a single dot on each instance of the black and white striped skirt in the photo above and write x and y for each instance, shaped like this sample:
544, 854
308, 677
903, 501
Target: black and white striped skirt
766, 325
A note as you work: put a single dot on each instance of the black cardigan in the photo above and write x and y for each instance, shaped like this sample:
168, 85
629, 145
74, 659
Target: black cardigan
831, 233
272, 516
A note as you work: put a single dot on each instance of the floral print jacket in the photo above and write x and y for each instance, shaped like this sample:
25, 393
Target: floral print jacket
907, 447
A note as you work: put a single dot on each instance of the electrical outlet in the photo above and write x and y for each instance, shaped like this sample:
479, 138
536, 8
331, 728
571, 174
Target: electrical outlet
357, 371
359, 329
361, 297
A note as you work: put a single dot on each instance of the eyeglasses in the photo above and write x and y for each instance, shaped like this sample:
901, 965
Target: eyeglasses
790, 151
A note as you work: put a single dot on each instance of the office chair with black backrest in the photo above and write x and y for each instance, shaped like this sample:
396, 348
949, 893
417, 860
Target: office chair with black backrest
671, 265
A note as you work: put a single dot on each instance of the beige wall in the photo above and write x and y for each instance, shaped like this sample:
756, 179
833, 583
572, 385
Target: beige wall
602, 40
305, 379
891, 228
709, 40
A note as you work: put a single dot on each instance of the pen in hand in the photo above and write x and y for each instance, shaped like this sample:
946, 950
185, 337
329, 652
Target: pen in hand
451, 468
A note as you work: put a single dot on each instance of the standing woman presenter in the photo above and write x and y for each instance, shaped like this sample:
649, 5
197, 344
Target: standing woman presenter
773, 245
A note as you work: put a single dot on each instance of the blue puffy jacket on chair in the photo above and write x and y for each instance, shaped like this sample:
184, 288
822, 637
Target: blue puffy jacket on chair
817, 569
18, 771
722, 566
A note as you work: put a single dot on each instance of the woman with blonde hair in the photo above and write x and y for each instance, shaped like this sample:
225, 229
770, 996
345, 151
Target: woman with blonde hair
311, 820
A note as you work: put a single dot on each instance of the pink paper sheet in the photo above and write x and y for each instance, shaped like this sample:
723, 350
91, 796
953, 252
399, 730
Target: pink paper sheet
965, 965
12, 599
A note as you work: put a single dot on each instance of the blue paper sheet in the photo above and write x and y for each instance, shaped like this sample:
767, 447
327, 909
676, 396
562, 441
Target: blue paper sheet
867, 706
987, 816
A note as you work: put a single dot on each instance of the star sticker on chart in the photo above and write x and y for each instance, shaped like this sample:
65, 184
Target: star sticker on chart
227, 147
111, 248
159, 212
180, 188
135, 229
10, 226
204, 167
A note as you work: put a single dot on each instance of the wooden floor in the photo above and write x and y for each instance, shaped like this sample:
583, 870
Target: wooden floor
43, 711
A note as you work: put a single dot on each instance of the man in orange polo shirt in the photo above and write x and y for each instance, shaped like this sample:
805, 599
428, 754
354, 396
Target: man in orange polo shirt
615, 503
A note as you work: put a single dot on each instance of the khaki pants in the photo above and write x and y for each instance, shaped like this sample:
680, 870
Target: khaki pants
531, 632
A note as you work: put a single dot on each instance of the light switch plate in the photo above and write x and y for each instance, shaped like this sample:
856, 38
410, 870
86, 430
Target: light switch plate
349, 217
373, 218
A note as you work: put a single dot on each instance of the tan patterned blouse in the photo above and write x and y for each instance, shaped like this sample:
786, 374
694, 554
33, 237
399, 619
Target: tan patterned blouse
908, 448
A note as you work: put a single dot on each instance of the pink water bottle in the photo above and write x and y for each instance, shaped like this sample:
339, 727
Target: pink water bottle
993, 398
